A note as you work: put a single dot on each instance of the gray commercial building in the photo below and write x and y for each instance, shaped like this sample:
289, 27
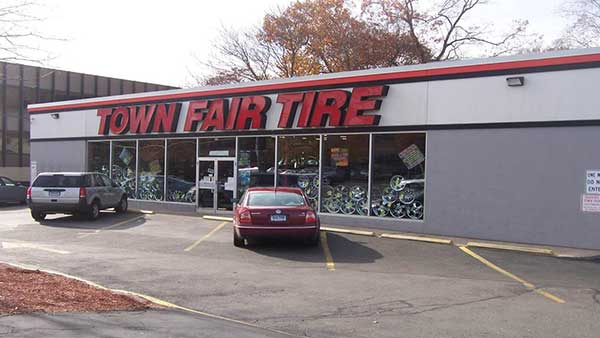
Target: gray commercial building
499, 148
21, 85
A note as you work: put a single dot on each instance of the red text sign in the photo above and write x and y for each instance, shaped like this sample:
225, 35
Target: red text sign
313, 109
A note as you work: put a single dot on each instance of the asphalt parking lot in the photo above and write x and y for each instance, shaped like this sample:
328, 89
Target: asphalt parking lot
354, 286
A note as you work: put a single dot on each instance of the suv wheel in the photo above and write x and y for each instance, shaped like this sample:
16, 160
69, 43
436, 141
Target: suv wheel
38, 216
94, 212
122, 207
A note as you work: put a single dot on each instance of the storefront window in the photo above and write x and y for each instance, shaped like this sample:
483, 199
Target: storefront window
123, 167
298, 164
398, 176
345, 174
151, 170
256, 162
99, 157
216, 147
181, 170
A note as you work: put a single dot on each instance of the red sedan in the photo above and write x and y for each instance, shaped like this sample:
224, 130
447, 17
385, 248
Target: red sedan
275, 212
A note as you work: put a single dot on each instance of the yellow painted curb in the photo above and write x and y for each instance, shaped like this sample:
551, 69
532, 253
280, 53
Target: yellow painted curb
417, 238
218, 218
137, 211
151, 299
529, 249
349, 231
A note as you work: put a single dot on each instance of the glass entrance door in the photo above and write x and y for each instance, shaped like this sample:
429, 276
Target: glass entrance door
216, 183
206, 184
225, 184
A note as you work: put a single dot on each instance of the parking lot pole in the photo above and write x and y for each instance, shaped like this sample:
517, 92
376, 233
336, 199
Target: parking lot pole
165, 174
320, 172
110, 158
197, 173
276, 177
370, 175
235, 169
137, 156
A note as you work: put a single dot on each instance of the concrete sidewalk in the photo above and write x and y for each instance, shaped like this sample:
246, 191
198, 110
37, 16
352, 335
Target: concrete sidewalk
151, 323
556, 251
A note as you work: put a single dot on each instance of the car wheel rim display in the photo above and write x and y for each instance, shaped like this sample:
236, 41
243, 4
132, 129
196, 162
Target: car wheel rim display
397, 183
389, 195
407, 196
357, 193
363, 208
379, 209
348, 207
331, 206
304, 181
328, 192
311, 192
398, 210
415, 210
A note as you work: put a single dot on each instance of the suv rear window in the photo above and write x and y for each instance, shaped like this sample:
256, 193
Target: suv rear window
58, 181
274, 199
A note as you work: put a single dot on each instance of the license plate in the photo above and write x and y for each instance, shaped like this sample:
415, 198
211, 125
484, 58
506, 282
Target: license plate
54, 193
278, 218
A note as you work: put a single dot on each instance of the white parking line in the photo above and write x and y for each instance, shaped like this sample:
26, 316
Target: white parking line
27, 245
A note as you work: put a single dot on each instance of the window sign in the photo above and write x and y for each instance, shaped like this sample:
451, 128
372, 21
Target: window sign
339, 156
590, 203
412, 156
218, 153
125, 156
592, 182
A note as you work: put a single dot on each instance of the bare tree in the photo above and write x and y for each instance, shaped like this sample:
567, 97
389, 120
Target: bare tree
442, 32
584, 29
317, 36
18, 40
238, 57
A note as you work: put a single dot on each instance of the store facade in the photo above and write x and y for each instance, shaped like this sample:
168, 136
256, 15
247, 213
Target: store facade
476, 148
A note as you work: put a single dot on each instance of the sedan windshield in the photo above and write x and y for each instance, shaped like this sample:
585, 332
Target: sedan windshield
274, 199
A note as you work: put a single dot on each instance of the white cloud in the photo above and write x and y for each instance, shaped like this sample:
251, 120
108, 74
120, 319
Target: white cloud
153, 41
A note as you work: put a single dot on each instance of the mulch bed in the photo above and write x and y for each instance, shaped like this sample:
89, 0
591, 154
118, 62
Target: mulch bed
24, 291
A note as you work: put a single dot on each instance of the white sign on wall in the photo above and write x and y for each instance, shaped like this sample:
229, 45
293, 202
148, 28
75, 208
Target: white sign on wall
33, 171
592, 182
590, 203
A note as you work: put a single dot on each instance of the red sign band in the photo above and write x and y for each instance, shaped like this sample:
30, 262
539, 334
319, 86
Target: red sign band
327, 108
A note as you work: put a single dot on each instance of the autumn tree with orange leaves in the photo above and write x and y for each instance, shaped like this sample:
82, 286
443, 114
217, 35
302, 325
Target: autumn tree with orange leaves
325, 36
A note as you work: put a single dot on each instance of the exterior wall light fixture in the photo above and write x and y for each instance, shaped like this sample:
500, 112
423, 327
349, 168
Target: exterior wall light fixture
55, 116
516, 81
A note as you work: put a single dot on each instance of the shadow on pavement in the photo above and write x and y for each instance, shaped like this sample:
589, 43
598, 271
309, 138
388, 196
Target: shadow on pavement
342, 249
107, 219
11, 207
